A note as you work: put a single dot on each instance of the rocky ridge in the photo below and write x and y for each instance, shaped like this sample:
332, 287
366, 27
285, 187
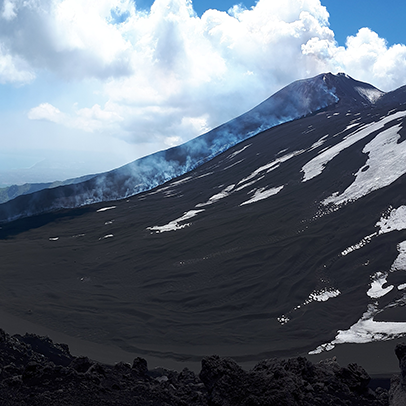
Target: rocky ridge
35, 371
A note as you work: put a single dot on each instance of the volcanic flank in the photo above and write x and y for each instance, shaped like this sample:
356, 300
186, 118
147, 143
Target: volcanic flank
292, 241
296, 100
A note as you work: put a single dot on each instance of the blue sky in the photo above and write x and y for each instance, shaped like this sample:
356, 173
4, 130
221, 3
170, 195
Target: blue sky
87, 86
384, 17
200, 6
346, 16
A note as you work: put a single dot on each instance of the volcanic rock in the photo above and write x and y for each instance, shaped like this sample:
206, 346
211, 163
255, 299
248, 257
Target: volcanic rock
397, 394
289, 382
35, 371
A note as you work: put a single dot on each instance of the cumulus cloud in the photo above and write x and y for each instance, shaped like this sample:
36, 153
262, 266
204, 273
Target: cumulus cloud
75, 39
86, 119
169, 75
366, 56
8, 10
14, 69
46, 111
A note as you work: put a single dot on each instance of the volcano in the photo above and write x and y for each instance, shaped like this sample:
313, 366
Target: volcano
296, 100
271, 243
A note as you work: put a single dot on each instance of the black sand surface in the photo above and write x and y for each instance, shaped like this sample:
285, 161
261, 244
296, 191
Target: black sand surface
226, 279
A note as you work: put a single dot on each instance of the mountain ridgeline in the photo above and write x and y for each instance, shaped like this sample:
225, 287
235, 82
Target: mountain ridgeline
299, 99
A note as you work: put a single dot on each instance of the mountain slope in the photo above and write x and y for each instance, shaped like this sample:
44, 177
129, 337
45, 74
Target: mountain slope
291, 241
11, 192
296, 100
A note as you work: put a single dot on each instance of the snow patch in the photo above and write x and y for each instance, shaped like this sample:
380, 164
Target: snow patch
376, 290
395, 221
271, 166
322, 348
105, 209
316, 166
215, 198
320, 295
324, 294
359, 245
283, 319
372, 95
400, 261
386, 163
175, 224
366, 330
318, 143
238, 152
262, 193
233, 164
349, 128
179, 182
249, 183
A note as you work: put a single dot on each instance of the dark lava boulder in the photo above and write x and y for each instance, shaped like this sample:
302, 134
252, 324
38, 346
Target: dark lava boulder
34, 371
288, 382
397, 393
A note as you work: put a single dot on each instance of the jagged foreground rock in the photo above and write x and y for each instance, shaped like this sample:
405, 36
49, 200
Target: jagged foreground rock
295, 381
34, 371
398, 383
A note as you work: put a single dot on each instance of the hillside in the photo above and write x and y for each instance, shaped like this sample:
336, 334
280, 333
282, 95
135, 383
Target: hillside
292, 241
294, 101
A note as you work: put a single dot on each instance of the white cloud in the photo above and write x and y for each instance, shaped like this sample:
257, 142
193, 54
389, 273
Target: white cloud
367, 56
165, 76
46, 111
13, 69
172, 141
74, 39
86, 119
8, 10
